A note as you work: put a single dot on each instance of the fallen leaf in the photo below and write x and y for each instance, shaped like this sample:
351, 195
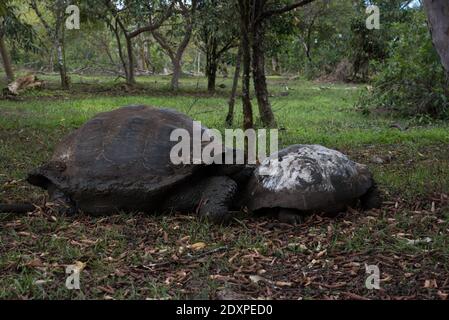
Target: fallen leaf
106, 289
321, 253
79, 266
219, 277
257, 279
261, 271
283, 284
198, 246
35, 263
430, 284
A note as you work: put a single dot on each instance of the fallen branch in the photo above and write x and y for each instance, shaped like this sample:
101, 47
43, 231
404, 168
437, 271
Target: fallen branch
22, 84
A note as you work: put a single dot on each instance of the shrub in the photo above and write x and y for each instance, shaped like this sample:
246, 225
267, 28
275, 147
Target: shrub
411, 81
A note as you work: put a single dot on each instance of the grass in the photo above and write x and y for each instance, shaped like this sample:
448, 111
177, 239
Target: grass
139, 256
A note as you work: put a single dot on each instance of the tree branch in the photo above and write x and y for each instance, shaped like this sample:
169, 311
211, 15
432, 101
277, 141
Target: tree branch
153, 26
164, 44
287, 8
47, 27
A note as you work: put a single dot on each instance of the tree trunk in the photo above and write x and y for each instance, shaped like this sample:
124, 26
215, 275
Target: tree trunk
146, 55
198, 61
275, 65
230, 116
59, 45
130, 77
438, 15
115, 27
6, 60
211, 64
65, 82
260, 82
177, 70
306, 45
246, 56
51, 62
211, 72
142, 61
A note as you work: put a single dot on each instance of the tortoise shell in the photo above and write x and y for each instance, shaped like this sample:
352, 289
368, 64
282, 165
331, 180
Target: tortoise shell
118, 160
307, 178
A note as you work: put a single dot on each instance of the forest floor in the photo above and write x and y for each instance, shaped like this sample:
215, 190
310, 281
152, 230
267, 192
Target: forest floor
137, 256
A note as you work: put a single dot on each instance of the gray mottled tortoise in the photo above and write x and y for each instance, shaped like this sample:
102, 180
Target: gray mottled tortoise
310, 178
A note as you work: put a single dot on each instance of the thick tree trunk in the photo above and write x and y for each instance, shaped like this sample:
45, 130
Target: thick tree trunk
438, 15
238, 62
59, 45
6, 59
211, 72
211, 65
177, 71
60, 51
122, 58
130, 77
65, 82
248, 122
260, 81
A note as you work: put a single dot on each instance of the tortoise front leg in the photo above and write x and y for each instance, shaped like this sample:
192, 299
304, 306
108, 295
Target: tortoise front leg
210, 197
62, 203
217, 196
372, 199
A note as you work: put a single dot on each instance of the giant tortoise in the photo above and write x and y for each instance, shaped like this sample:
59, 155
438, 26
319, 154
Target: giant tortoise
309, 178
120, 161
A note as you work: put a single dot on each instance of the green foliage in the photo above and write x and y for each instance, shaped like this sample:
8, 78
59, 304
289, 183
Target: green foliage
313, 39
367, 46
411, 81
217, 28
3, 8
17, 31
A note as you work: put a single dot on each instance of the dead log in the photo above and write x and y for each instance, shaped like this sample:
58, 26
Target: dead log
22, 84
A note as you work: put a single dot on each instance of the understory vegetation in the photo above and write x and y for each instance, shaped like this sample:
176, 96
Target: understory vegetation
411, 81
